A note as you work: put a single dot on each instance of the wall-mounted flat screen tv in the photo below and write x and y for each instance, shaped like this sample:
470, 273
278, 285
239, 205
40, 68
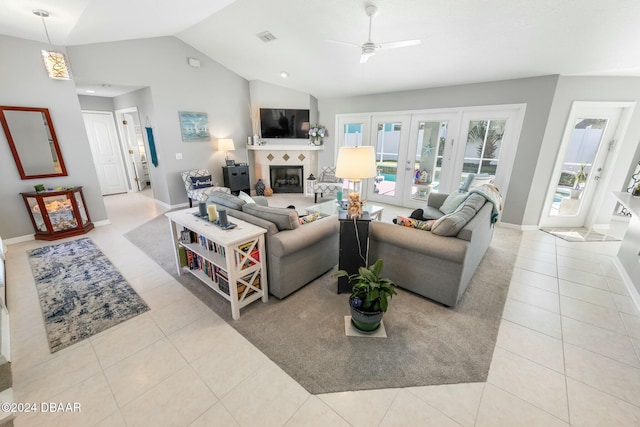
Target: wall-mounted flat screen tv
284, 123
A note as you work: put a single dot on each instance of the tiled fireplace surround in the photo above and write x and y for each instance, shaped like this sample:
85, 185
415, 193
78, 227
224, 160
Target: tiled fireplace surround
263, 156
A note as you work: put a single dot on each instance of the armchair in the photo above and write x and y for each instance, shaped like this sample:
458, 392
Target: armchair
200, 194
327, 182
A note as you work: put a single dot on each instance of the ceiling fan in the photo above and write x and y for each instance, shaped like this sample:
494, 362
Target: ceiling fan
369, 48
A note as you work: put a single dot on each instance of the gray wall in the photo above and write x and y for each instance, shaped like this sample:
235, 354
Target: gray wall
536, 92
96, 103
161, 64
25, 83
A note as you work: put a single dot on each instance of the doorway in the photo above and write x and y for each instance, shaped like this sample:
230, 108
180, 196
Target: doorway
583, 167
103, 140
133, 146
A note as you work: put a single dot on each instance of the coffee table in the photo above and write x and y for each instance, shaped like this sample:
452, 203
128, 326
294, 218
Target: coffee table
331, 208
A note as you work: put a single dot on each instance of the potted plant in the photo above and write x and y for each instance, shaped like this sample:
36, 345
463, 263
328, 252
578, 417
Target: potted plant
370, 295
580, 178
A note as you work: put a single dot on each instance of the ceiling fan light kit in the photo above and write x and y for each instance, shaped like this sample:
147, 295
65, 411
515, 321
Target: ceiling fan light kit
369, 48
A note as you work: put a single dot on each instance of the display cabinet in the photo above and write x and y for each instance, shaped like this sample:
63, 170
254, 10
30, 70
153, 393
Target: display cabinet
58, 214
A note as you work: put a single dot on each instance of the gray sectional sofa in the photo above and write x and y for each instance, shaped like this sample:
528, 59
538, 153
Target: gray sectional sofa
296, 254
438, 267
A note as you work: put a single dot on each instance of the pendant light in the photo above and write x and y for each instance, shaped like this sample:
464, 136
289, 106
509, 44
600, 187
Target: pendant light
55, 62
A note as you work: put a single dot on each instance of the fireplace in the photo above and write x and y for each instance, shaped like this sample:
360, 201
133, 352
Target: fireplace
286, 179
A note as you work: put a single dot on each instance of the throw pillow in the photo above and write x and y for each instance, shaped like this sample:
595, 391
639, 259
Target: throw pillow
309, 218
452, 202
414, 223
244, 196
451, 224
201, 182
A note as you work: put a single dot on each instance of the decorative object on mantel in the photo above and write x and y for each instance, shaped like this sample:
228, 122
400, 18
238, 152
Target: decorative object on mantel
316, 133
260, 187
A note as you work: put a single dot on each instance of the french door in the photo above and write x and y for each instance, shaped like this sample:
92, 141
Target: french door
434, 151
582, 162
430, 155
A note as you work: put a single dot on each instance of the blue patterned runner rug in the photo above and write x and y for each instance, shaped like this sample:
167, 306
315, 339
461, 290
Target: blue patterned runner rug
81, 293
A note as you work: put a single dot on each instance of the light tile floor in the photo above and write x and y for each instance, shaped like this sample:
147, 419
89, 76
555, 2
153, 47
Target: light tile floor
566, 354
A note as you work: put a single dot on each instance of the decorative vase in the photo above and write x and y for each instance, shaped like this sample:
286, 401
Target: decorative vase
260, 188
365, 321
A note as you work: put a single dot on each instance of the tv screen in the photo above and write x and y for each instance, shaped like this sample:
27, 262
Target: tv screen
284, 123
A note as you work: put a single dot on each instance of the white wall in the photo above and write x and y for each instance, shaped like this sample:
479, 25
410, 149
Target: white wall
161, 65
25, 83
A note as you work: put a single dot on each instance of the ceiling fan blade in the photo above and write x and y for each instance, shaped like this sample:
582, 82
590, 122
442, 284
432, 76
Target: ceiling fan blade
365, 57
394, 45
344, 43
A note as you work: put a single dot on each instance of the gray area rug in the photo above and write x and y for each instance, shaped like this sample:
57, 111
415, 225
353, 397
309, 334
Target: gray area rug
81, 293
580, 234
304, 334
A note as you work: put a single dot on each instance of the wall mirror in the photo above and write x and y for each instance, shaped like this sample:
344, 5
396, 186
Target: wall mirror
32, 141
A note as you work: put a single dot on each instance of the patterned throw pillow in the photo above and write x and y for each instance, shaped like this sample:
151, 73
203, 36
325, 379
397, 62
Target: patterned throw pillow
201, 182
309, 218
415, 223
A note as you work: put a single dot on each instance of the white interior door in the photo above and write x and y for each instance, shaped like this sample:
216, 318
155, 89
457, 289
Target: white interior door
135, 157
105, 150
587, 142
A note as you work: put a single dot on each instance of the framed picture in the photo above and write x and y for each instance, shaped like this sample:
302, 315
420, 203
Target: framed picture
194, 126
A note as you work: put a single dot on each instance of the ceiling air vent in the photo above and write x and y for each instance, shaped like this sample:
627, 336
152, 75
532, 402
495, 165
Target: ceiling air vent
266, 36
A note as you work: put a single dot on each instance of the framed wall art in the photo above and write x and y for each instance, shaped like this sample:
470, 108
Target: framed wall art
194, 126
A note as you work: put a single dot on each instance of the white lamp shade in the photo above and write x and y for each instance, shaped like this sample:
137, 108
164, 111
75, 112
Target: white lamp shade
226, 144
355, 163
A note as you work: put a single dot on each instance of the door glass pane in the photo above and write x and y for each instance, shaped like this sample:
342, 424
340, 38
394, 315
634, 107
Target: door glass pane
387, 146
428, 158
482, 151
353, 134
576, 166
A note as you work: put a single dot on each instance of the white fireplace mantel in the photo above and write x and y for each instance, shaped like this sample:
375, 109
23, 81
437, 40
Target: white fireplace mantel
287, 147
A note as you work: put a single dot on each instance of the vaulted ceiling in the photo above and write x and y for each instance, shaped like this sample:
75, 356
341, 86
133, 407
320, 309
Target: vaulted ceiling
463, 41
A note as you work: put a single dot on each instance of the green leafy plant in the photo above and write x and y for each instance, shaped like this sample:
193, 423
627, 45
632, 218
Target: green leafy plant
370, 292
581, 177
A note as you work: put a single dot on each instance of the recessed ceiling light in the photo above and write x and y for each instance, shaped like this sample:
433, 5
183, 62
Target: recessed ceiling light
106, 85
90, 91
284, 74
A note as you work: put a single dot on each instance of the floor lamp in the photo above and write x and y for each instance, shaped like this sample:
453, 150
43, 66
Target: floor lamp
355, 164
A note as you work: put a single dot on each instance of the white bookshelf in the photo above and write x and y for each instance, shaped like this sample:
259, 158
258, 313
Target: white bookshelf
231, 262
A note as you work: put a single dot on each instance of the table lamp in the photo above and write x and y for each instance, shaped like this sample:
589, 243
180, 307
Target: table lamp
355, 164
226, 145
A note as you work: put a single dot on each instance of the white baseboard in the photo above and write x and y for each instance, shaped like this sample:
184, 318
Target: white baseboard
635, 296
518, 226
102, 223
19, 239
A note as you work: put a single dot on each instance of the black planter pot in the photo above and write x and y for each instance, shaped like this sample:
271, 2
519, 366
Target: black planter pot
365, 321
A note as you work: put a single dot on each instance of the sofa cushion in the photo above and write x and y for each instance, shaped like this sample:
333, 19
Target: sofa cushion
476, 201
226, 200
244, 196
283, 218
451, 224
453, 201
198, 182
